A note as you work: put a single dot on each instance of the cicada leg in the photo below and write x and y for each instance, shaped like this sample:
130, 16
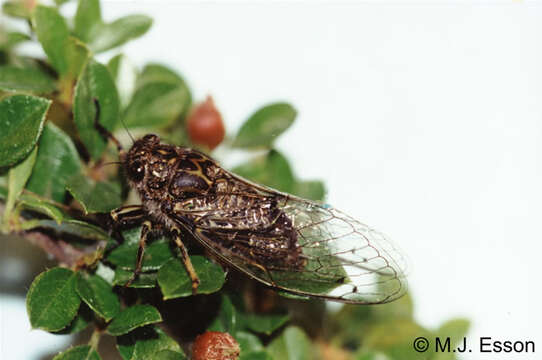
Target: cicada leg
147, 226
128, 215
186, 261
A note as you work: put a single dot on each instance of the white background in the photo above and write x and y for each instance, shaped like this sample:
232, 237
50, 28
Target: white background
423, 119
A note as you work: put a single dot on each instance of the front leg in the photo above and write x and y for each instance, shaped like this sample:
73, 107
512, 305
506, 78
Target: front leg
127, 216
186, 260
145, 229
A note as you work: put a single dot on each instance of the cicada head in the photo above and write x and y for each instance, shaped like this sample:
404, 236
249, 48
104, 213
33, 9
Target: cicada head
137, 158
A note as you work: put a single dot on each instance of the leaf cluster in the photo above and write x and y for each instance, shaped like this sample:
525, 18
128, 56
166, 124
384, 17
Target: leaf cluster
52, 181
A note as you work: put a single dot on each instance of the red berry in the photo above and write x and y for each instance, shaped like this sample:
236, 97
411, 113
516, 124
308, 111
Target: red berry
205, 126
214, 345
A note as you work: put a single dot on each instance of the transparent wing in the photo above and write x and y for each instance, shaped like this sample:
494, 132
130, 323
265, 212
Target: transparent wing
346, 260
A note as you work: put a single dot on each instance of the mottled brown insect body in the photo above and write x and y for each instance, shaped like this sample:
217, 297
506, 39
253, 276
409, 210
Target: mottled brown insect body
181, 187
296, 245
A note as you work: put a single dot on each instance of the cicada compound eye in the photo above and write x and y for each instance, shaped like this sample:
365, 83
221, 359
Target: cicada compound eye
136, 171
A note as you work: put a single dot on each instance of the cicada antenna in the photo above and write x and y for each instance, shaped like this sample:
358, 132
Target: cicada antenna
103, 131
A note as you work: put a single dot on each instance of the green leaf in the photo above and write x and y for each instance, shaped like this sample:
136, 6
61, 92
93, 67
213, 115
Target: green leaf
81, 352
454, 329
251, 346
17, 9
156, 105
95, 197
21, 123
167, 355
74, 227
126, 345
152, 340
82, 320
157, 73
143, 280
161, 96
87, 19
156, 254
77, 54
265, 323
292, 344
175, 282
98, 295
394, 338
119, 32
33, 80
255, 355
95, 83
272, 170
57, 161
51, 301
402, 308
32, 202
228, 319
17, 178
262, 127
132, 318
148, 343
12, 39
371, 355
124, 74
53, 34
311, 189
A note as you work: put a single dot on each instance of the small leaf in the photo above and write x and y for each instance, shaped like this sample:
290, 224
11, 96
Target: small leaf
126, 345
17, 8
228, 320
248, 343
265, 323
167, 355
262, 127
98, 295
160, 97
83, 319
32, 202
57, 161
255, 355
272, 170
454, 329
371, 355
95, 197
292, 344
25, 79
124, 74
119, 32
156, 73
95, 83
142, 281
51, 301
53, 34
87, 19
132, 318
74, 227
175, 282
21, 123
156, 105
17, 178
150, 341
81, 352
394, 338
156, 254
311, 189
12, 39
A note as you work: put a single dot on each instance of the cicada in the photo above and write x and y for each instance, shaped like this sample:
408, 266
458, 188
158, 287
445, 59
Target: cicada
285, 242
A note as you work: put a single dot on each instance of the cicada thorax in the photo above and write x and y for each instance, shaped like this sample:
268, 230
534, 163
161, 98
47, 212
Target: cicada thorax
183, 187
